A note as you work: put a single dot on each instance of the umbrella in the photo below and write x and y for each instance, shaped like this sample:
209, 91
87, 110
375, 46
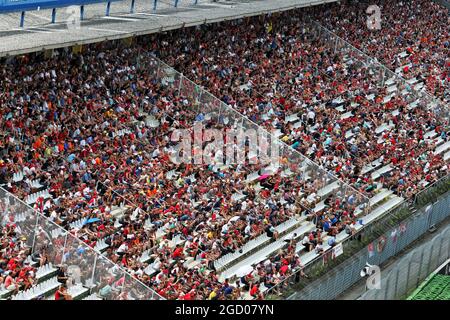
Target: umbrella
92, 220
242, 271
264, 176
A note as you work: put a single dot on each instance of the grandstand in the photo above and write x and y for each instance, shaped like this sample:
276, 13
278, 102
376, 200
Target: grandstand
87, 146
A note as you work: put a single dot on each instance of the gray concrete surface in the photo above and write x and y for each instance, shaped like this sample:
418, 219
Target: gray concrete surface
40, 34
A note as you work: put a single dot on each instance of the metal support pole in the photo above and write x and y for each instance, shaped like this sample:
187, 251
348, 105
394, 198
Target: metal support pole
53, 15
387, 287
181, 81
158, 75
430, 263
108, 8
36, 228
154, 4
93, 272
396, 283
64, 249
132, 6
420, 268
22, 19
200, 95
440, 246
409, 271
81, 13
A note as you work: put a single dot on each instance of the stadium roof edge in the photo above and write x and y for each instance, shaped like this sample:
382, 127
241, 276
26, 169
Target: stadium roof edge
52, 42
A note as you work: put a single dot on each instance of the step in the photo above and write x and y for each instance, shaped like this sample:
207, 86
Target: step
340, 109
380, 196
258, 241
253, 244
252, 177
430, 134
442, 148
403, 54
18, 176
297, 125
370, 97
447, 156
329, 188
383, 170
392, 88
45, 288
338, 100
349, 134
347, 115
45, 271
413, 105
238, 196
118, 212
383, 127
372, 166
32, 198
77, 291
320, 206
92, 297
379, 211
265, 252
412, 81
291, 118
390, 81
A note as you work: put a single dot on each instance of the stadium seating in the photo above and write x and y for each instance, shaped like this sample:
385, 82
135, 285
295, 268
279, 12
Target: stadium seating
95, 154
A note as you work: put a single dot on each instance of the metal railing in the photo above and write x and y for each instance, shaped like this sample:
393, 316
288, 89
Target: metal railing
412, 269
383, 240
375, 68
194, 93
305, 170
61, 247
429, 193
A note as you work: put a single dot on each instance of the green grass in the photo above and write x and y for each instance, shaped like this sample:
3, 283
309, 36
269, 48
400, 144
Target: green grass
437, 288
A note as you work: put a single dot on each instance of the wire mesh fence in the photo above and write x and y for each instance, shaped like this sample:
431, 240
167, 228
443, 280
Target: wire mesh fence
412, 269
399, 235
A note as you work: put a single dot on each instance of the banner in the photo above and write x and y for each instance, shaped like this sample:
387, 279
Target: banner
402, 228
381, 243
371, 250
394, 235
338, 250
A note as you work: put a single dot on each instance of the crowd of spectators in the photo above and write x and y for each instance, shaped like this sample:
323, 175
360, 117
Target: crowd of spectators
413, 38
269, 76
77, 124
88, 170
17, 262
15, 272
